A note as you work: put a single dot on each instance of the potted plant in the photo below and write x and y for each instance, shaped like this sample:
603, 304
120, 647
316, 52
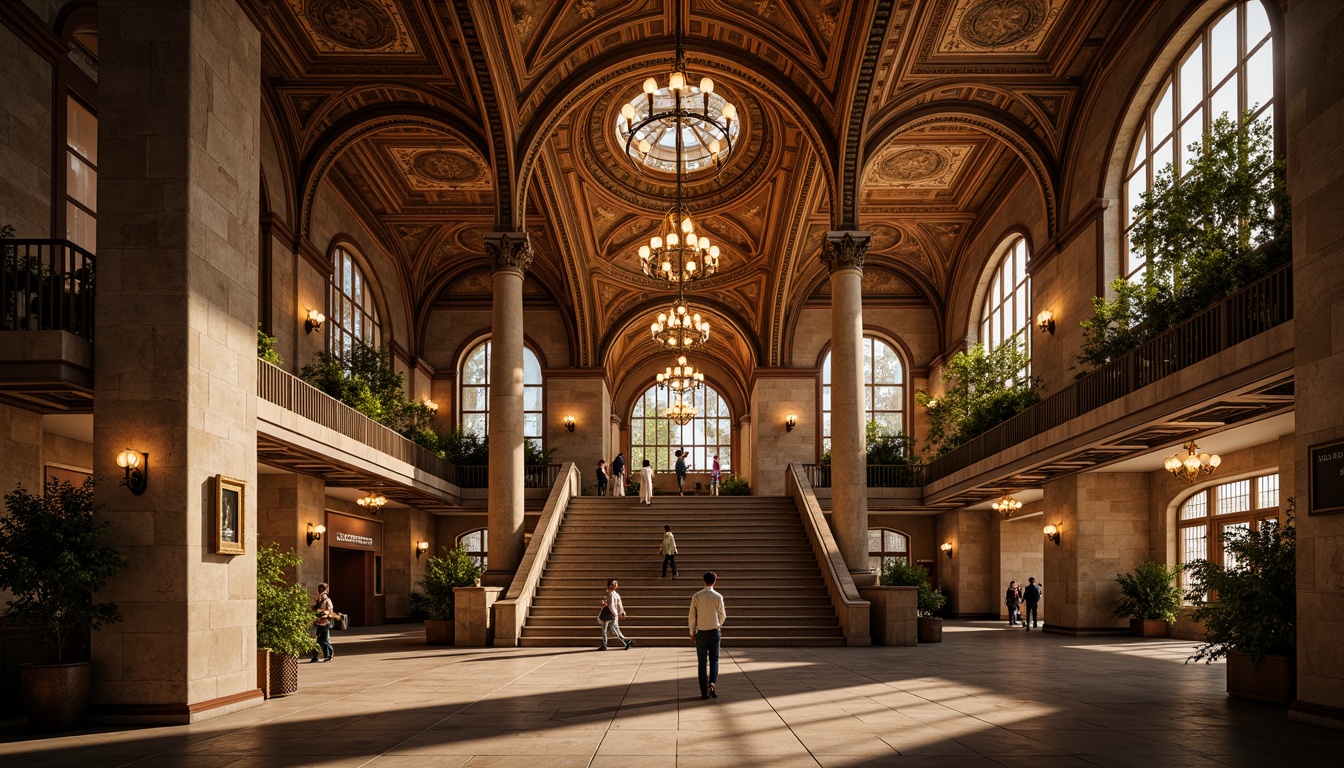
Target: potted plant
454, 568
1249, 609
898, 573
1149, 598
52, 562
284, 617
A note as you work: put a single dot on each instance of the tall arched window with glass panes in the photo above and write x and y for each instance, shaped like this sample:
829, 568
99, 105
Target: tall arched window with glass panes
1227, 69
655, 437
1006, 311
1208, 514
352, 315
474, 393
884, 389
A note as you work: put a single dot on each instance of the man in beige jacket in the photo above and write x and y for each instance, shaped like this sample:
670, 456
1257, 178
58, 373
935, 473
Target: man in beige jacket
706, 620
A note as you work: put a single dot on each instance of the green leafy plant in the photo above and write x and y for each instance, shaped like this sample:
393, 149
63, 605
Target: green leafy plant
284, 612
898, 573
364, 379
465, 448
982, 388
732, 485
266, 348
1149, 592
888, 447
1250, 604
454, 568
418, 610
1221, 224
52, 562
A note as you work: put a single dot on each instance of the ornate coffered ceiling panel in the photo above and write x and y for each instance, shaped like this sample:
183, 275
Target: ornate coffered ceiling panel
929, 166
354, 26
999, 26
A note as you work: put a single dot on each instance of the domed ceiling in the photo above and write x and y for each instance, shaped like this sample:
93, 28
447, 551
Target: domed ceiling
913, 119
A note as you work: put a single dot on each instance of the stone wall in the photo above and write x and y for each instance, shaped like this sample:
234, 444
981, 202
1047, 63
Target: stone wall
970, 577
286, 505
583, 395
1021, 553
21, 449
26, 137
773, 447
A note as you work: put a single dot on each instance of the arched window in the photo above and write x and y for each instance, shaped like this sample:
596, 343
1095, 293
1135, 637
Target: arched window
476, 544
1212, 511
475, 393
1006, 310
1227, 69
883, 389
887, 546
352, 315
655, 437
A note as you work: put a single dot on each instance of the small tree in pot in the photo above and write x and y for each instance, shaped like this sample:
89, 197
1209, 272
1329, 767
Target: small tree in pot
898, 573
284, 617
454, 568
1149, 598
1249, 609
52, 562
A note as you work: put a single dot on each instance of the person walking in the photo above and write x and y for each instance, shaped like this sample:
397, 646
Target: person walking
1012, 598
323, 610
1032, 597
601, 477
646, 484
613, 610
715, 473
706, 621
669, 550
618, 475
681, 471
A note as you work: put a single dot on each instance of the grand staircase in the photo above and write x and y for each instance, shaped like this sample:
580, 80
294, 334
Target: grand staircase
767, 571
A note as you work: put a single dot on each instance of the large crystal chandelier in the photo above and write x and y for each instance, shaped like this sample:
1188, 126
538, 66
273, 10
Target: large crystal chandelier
680, 412
681, 378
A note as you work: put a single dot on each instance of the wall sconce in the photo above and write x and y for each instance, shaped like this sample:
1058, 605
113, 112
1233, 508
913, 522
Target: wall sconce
315, 533
1046, 321
421, 547
569, 423
790, 422
947, 549
314, 322
137, 470
1052, 533
431, 405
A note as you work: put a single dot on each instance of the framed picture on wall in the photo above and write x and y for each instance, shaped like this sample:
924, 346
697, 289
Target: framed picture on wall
1327, 478
230, 514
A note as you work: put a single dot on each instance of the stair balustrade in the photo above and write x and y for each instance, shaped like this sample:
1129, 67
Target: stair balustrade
511, 611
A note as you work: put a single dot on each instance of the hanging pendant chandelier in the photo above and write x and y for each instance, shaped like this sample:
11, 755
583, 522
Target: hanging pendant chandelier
680, 327
373, 501
678, 254
1007, 506
681, 378
681, 412
1194, 465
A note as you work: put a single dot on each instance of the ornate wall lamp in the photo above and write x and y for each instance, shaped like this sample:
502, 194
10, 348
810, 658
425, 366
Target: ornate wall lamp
790, 422
421, 547
137, 470
314, 322
569, 423
1052, 533
947, 549
1046, 321
431, 405
315, 533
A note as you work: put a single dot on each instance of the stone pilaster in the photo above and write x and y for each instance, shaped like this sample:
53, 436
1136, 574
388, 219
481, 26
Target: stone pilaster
510, 255
175, 361
843, 254
581, 393
286, 505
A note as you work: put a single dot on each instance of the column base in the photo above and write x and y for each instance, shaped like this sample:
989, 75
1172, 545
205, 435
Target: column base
173, 714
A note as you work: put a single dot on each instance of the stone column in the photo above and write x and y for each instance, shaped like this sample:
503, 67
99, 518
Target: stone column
175, 361
842, 253
510, 255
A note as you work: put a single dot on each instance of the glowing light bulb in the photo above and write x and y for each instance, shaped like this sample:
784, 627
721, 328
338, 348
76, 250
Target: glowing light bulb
645, 146
655, 242
714, 146
687, 225
628, 112
650, 85
729, 112
714, 251
644, 252
677, 81
690, 266
706, 85
703, 244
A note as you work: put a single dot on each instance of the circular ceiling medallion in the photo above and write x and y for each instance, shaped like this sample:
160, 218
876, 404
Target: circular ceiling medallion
912, 165
996, 23
353, 23
445, 166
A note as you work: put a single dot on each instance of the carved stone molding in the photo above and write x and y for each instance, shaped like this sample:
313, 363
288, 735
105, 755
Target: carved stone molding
845, 250
508, 250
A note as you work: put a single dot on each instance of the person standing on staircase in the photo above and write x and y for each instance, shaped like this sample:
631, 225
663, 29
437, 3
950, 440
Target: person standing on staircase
706, 622
669, 550
681, 471
715, 474
646, 484
618, 475
613, 610
601, 478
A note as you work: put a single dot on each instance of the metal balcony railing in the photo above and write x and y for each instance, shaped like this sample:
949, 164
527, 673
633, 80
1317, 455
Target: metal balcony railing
879, 475
46, 285
534, 475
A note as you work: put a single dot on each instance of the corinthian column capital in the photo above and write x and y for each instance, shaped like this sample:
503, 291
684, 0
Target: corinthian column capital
508, 251
845, 249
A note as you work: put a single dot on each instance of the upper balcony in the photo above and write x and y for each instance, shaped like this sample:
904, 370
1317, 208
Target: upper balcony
46, 315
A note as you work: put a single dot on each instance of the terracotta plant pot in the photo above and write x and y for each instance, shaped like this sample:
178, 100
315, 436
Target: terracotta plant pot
930, 630
1275, 681
1148, 627
284, 675
55, 695
438, 632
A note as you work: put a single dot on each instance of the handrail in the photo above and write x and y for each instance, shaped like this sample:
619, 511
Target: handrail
850, 608
46, 285
534, 475
879, 475
1256, 308
511, 611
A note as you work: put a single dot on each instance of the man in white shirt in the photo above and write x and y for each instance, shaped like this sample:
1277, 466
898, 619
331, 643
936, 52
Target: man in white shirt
669, 550
706, 620
613, 610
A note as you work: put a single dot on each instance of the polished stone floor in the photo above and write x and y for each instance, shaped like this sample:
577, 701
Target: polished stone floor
986, 696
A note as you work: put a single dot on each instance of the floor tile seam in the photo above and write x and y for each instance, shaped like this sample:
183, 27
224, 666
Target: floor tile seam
742, 671
631, 684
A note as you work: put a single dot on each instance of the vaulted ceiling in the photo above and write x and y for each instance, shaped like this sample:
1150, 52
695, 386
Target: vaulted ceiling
440, 121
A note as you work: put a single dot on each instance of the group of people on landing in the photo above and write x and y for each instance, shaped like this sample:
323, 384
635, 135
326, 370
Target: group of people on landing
1022, 603
613, 476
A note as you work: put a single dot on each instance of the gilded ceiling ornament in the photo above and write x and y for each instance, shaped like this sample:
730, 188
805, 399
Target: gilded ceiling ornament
445, 166
508, 250
844, 250
439, 169
1002, 26
586, 9
353, 23
933, 166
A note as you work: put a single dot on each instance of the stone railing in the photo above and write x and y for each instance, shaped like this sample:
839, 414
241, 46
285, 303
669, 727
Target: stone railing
850, 608
511, 610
